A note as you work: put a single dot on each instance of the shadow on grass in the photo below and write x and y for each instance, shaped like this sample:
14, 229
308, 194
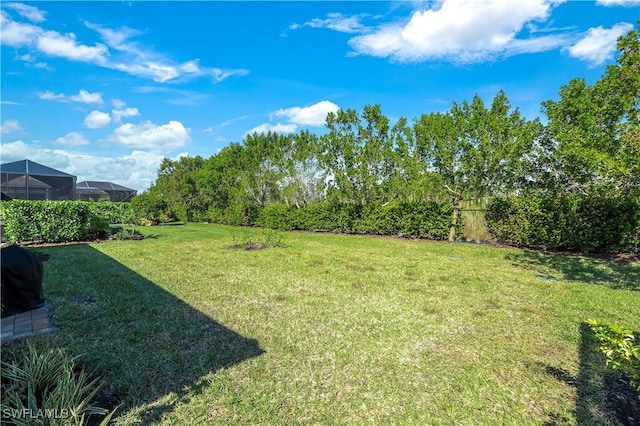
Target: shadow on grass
625, 276
603, 395
152, 349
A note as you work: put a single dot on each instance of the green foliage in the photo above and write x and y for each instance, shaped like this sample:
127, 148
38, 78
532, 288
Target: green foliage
98, 226
416, 220
111, 211
148, 205
127, 234
49, 381
592, 223
277, 216
241, 215
596, 127
620, 348
476, 151
47, 221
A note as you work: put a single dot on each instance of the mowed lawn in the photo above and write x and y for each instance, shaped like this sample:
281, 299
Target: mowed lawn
334, 329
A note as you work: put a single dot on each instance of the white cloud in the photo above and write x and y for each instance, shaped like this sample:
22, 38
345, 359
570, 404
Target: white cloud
191, 66
277, 128
147, 135
153, 70
137, 170
124, 112
119, 104
118, 52
599, 44
456, 30
314, 115
623, 3
137, 60
97, 119
10, 126
83, 96
17, 34
73, 139
50, 96
30, 12
65, 45
336, 22
221, 75
87, 98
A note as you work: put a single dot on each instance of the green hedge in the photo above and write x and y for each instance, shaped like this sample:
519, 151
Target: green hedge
112, 212
47, 221
417, 220
567, 222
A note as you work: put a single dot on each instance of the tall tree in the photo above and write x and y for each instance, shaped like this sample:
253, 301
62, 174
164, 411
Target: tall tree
475, 150
357, 155
220, 177
302, 181
176, 185
263, 160
596, 128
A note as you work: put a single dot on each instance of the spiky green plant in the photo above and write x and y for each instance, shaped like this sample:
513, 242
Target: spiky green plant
48, 388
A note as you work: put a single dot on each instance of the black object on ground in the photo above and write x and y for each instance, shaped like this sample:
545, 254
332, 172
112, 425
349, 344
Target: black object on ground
22, 273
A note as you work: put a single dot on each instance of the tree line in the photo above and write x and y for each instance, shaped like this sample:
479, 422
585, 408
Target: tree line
589, 145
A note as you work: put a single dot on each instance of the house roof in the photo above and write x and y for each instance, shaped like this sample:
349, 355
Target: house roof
103, 186
29, 167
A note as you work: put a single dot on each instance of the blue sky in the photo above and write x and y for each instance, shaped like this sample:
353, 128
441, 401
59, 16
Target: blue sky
105, 90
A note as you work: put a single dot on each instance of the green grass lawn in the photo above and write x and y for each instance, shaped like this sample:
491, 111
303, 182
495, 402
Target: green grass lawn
335, 329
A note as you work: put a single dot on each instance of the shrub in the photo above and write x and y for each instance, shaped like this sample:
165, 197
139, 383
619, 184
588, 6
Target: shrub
48, 221
241, 215
425, 220
48, 382
590, 223
98, 227
112, 212
619, 346
127, 234
316, 217
276, 216
148, 206
418, 220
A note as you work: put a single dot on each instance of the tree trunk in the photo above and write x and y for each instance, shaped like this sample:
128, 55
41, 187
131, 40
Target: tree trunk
454, 218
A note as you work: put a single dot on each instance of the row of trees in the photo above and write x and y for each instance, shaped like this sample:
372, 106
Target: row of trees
590, 144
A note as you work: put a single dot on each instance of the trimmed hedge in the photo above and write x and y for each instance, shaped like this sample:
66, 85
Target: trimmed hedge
112, 212
587, 223
416, 220
47, 221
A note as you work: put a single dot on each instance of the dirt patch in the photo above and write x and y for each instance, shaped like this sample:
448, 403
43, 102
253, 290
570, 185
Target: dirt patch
622, 400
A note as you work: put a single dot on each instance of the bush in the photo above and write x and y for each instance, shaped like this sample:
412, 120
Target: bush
618, 344
112, 212
98, 227
588, 223
47, 221
418, 220
277, 216
148, 206
241, 215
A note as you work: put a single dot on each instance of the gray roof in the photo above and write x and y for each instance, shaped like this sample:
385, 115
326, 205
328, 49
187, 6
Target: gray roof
103, 186
31, 168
